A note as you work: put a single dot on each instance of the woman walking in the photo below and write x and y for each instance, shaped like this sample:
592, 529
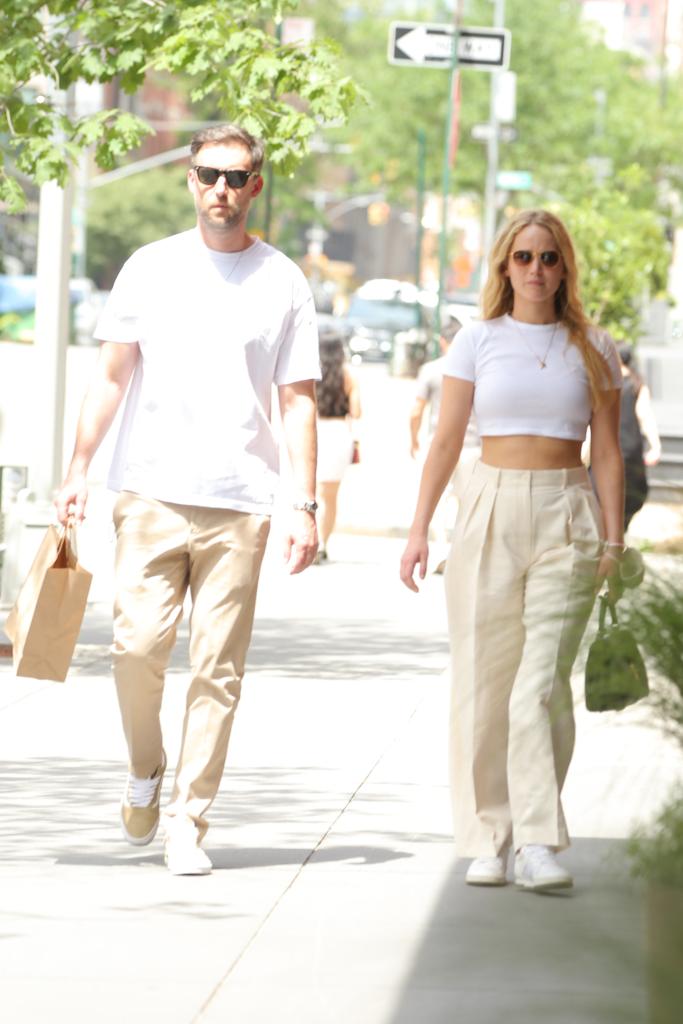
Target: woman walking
338, 406
531, 545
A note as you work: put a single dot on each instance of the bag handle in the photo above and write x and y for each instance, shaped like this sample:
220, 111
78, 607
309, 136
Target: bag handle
605, 603
67, 541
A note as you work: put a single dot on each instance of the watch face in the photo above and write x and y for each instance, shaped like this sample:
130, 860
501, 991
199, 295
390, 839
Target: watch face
307, 506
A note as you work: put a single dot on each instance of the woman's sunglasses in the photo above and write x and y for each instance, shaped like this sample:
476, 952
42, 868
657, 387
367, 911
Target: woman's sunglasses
210, 175
523, 257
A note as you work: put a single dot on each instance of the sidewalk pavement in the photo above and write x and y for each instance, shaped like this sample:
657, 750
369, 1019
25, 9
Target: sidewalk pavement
336, 896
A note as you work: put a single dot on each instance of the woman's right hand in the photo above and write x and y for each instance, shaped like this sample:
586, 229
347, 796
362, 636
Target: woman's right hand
415, 554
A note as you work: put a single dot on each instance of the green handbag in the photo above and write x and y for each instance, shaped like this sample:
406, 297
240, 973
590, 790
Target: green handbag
615, 671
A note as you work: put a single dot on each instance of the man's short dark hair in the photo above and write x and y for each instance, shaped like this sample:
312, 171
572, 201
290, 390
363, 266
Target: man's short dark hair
449, 330
229, 133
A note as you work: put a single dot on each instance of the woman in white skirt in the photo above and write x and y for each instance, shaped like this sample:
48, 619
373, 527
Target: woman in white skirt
338, 406
531, 545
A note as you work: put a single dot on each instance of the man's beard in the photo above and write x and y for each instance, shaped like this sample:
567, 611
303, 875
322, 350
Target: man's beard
229, 219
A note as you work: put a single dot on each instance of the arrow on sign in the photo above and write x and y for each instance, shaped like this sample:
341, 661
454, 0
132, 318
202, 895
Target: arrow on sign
420, 44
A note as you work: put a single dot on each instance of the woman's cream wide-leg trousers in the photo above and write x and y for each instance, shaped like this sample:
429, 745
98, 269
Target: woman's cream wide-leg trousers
520, 585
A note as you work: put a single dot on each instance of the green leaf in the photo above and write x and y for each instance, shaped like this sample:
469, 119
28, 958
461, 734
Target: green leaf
11, 194
227, 51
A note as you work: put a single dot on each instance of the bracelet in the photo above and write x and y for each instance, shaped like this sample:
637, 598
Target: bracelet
612, 558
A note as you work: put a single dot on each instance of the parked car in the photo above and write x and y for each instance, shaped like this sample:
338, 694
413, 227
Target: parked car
464, 306
379, 310
18, 308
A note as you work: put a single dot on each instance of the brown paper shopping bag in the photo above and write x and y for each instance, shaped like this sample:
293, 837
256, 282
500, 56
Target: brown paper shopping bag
46, 619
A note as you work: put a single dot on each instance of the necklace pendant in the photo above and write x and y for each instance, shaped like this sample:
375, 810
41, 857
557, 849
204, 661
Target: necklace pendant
542, 362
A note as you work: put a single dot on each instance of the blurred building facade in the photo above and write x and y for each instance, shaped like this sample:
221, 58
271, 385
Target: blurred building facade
653, 29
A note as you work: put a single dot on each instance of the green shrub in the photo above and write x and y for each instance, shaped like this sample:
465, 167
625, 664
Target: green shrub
657, 856
655, 614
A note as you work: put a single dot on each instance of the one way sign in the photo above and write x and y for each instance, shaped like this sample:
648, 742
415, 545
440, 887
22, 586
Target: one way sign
424, 45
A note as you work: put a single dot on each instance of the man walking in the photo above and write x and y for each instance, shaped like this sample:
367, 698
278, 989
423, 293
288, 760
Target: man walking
197, 329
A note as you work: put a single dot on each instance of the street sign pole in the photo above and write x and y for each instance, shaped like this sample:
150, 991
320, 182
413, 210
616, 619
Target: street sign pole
492, 145
446, 180
421, 159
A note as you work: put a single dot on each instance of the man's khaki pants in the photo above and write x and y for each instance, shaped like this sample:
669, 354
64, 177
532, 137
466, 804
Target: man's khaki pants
520, 585
162, 550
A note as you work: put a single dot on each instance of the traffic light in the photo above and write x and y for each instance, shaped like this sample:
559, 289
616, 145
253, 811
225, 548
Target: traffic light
378, 214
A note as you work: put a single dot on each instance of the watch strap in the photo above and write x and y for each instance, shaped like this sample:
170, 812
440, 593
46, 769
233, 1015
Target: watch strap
306, 506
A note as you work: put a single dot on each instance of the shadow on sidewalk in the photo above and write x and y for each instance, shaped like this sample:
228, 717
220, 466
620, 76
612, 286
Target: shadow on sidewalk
356, 648
69, 810
311, 649
502, 954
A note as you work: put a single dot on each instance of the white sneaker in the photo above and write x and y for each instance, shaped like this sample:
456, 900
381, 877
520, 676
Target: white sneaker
182, 853
536, 869
487, 871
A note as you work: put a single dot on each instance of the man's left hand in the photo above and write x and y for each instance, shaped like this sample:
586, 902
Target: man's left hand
301, 542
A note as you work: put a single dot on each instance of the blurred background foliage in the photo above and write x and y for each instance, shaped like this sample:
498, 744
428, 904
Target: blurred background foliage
227, 54
132, 212
600, 134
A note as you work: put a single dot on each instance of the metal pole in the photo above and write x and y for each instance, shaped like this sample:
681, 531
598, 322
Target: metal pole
446, 173
419, 211
489, 231
663, 70
268, 206
53, 271
80, 215
270, 177
137, 166
51, 336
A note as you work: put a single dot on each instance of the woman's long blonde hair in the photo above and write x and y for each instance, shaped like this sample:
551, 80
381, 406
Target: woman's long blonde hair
498, 296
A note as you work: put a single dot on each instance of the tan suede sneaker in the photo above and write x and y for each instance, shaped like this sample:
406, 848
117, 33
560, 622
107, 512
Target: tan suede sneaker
140, 806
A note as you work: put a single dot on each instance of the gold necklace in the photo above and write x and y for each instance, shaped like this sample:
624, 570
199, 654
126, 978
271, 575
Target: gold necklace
235, 265
542, 363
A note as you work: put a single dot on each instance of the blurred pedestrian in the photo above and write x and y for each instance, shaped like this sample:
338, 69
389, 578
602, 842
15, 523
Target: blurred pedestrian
428, 399
338, 397
637, 428
197, 329
529, 548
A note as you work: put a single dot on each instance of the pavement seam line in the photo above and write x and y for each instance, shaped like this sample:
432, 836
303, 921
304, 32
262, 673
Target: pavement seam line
26, 696
255, 934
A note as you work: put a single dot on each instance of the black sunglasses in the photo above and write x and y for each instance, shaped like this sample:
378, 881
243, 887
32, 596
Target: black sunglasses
523, 257
210, 175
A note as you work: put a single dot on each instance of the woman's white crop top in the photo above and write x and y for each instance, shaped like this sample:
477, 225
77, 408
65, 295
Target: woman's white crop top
513, 393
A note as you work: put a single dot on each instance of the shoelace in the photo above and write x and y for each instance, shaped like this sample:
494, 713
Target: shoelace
141, 792
538, 855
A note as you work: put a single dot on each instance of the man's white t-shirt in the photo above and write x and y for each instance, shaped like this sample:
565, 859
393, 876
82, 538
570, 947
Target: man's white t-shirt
216, 331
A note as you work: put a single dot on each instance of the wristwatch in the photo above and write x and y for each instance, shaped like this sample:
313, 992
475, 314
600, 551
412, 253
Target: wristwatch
306, 506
